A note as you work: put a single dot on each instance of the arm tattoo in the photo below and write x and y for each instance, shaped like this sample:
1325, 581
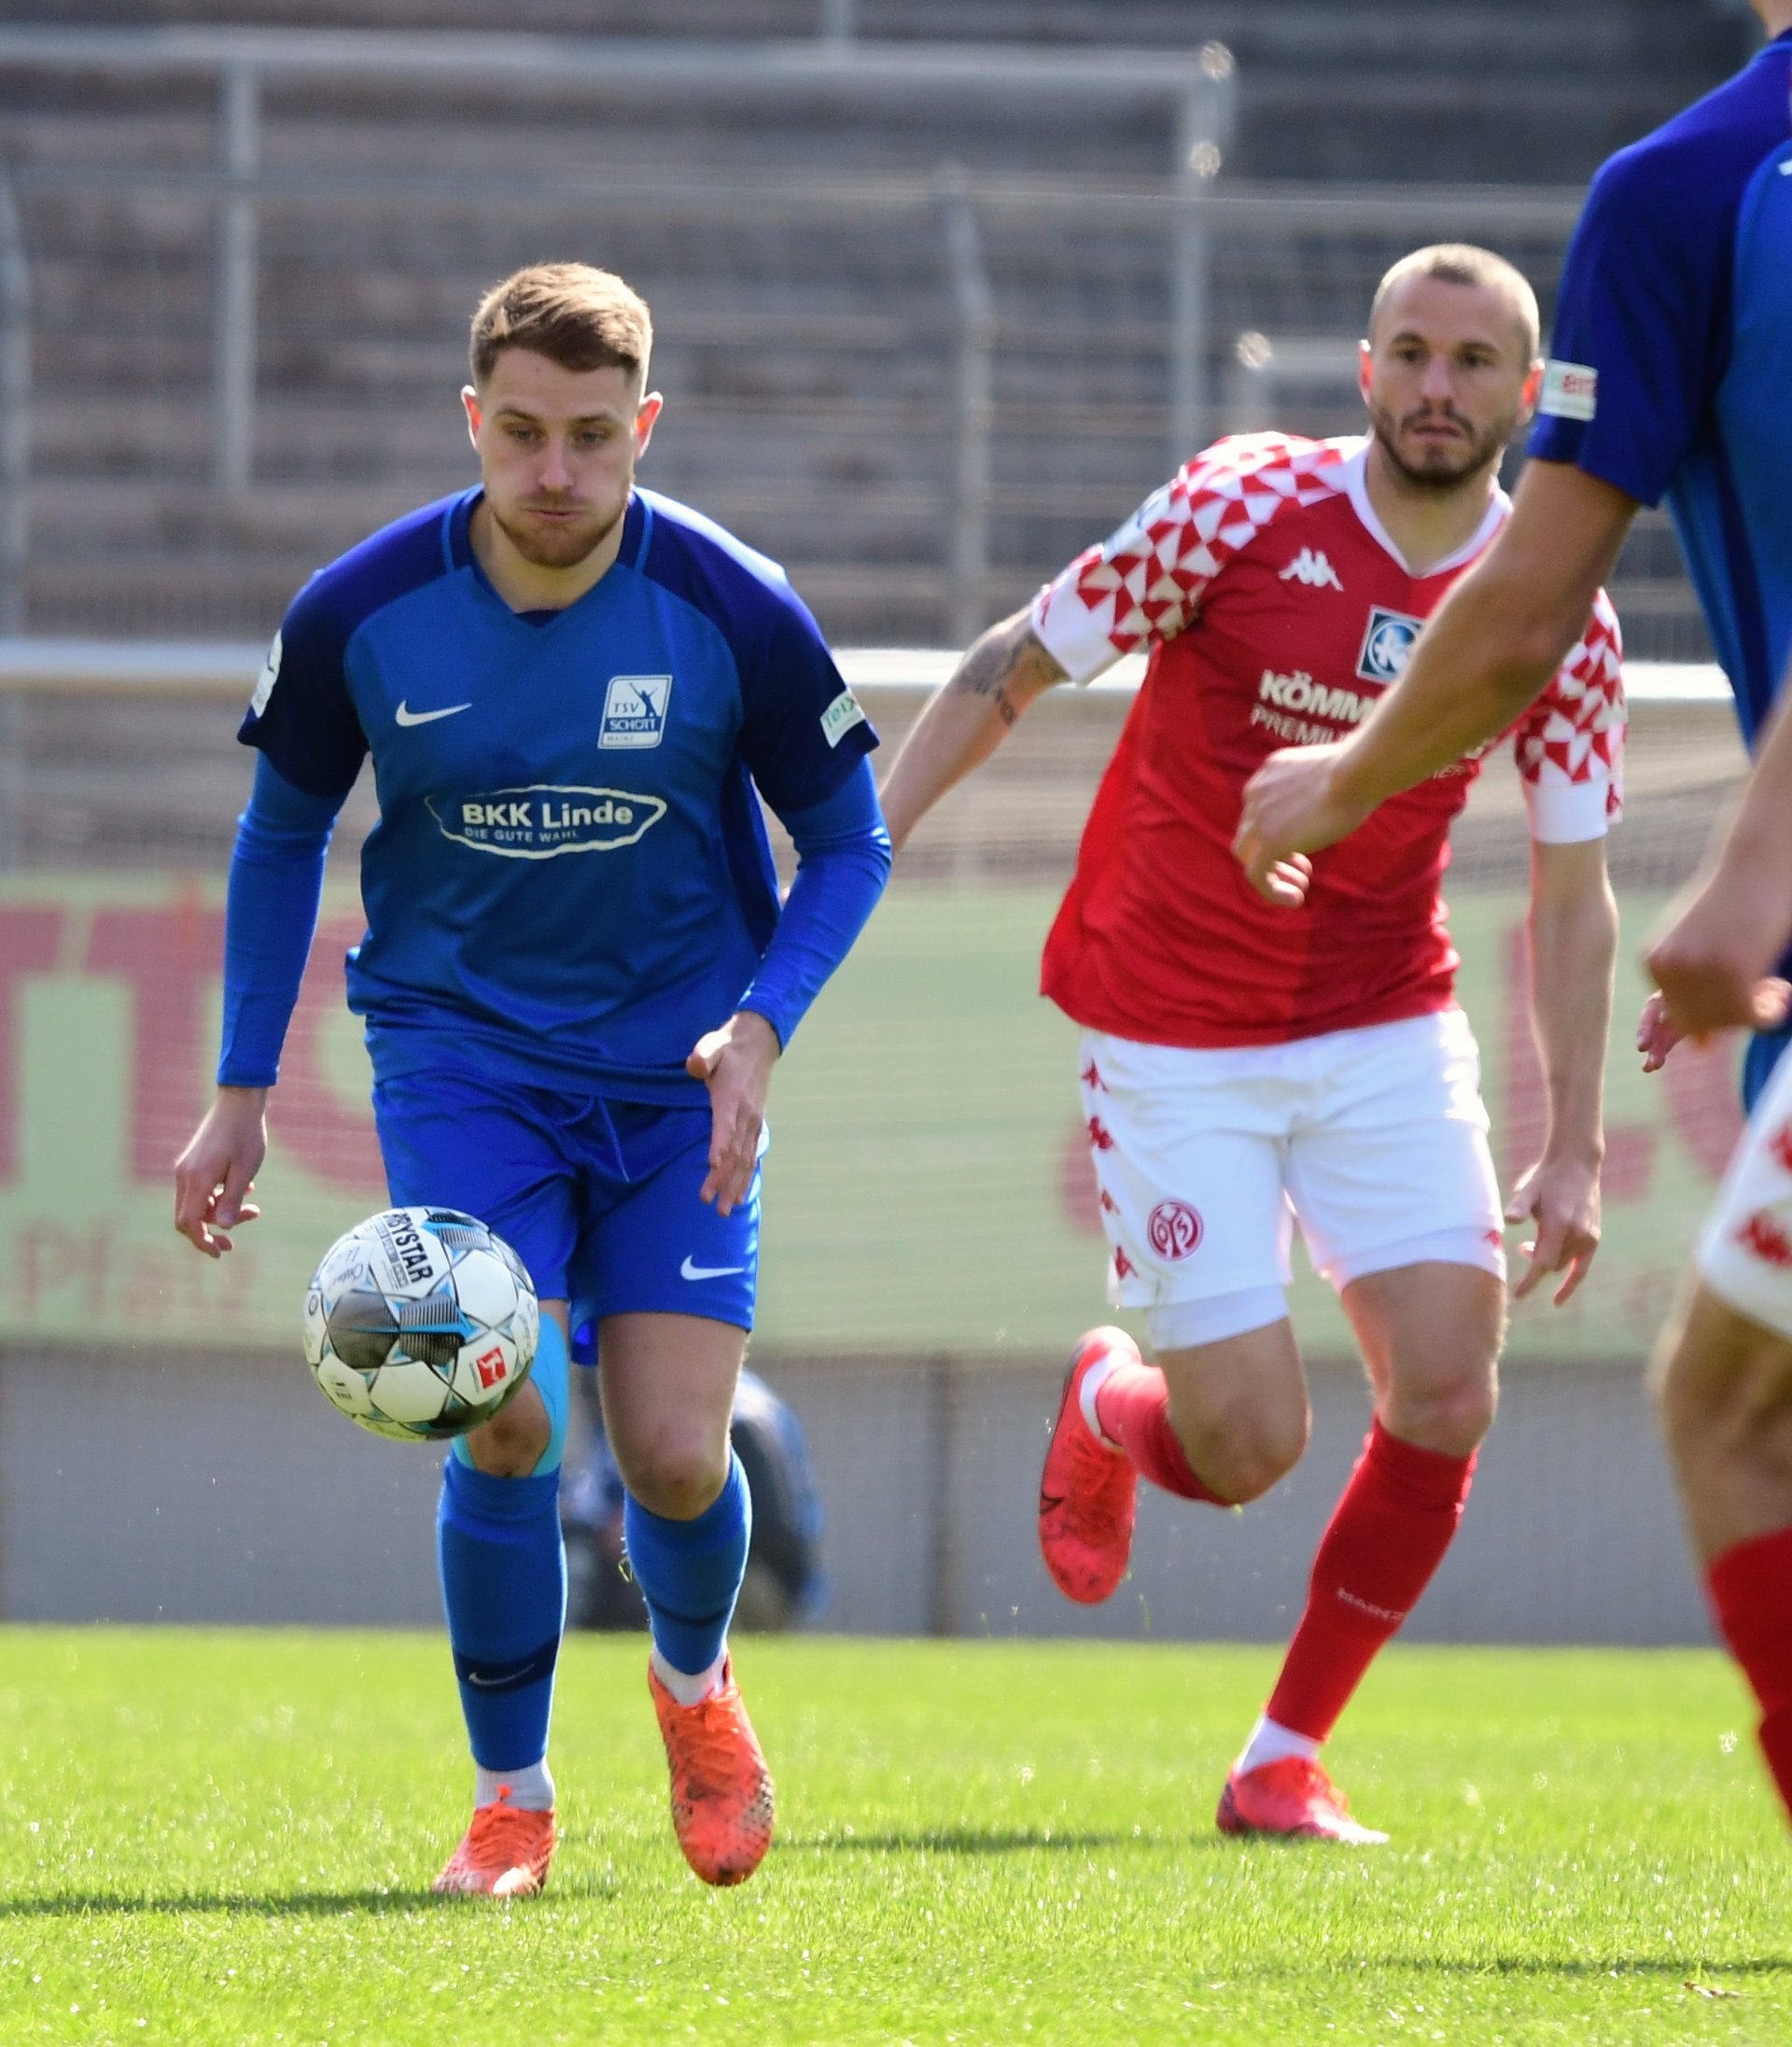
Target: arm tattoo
986, 668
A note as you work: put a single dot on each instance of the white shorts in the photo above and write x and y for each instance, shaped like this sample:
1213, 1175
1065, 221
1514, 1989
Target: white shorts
1374, 1141
1745, 1256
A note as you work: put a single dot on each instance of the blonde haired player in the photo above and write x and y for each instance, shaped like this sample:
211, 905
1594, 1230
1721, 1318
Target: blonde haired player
1246, 1066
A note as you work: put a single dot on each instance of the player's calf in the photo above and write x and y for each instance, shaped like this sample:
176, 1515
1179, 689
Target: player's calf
1240, 1409
1722, 1384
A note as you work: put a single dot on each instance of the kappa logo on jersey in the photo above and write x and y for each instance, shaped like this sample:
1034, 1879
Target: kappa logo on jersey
264, 683
1310, 568
840, 718
1570, 390
1386, 644
635, 708
542, 821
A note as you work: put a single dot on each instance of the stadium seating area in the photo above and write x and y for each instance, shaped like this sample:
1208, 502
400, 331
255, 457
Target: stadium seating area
802, 282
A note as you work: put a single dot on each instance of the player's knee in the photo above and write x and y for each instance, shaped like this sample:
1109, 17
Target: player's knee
674, 1472
1451, 1418
1242, 1451
514, 1442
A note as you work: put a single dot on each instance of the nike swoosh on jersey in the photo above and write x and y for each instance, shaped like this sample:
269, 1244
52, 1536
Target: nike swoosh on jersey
689, 1272
408, 717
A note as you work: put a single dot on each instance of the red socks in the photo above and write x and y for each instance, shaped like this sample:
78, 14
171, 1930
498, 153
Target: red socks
1387, 1535
1132, 1405
1751, 1590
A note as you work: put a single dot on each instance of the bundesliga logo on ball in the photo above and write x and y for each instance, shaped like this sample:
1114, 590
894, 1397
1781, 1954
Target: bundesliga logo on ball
420, 1324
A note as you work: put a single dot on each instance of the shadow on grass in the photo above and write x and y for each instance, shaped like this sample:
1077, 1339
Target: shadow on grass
301, 1904
978, 1841
1686, 1969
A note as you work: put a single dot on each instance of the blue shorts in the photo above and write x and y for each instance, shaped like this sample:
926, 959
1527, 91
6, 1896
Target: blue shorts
598, 1198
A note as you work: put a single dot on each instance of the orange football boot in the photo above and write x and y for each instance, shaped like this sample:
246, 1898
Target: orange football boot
722, 1791
1089, 1491
505, 1853
1293, 1799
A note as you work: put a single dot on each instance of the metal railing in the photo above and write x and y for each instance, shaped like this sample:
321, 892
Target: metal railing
1027, 445
1199, 88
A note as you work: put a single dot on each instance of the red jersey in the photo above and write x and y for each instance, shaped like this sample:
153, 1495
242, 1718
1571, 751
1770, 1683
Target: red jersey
1276, 611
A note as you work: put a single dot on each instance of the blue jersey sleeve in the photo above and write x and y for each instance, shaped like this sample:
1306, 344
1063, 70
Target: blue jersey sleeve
276, 881
844, 854
1639, 336
802, 732
301, 717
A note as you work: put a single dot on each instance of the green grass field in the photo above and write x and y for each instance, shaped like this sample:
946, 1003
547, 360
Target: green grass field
215, 1837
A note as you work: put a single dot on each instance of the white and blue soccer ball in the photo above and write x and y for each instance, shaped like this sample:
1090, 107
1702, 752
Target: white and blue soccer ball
420, 1324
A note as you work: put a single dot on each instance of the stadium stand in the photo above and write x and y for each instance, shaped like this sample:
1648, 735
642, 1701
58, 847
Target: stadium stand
815, 327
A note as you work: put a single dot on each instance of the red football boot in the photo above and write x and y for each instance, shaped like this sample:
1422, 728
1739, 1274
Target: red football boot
505, 1853
1089, 1490
1293, 1799
723, 1807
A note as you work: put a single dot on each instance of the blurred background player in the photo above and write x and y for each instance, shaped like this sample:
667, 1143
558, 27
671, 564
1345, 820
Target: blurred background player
1672, 362
1238, 1061
570, 689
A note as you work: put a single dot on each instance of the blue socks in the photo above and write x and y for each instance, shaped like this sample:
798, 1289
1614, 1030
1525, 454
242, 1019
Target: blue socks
504, 1585
690, 1572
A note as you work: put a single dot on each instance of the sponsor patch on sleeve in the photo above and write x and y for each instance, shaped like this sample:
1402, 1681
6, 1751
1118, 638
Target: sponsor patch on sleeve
264, 683
840, 718
1570, 390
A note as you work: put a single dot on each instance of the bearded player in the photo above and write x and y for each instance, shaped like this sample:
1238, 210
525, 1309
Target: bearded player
1245, 1066
1672, 362
576, 980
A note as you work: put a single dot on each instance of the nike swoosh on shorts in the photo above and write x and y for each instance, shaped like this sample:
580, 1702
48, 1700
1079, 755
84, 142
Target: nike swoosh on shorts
406, 716
689, 1272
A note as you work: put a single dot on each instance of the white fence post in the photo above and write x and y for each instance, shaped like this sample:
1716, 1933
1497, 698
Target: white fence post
974, 303
239, 137
15, 412
1203, 131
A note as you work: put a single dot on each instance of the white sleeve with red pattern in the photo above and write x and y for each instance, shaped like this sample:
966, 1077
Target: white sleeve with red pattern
1145, 581
1570, 744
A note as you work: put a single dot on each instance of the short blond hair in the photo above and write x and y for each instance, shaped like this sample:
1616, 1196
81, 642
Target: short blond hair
579, 316
1462, 263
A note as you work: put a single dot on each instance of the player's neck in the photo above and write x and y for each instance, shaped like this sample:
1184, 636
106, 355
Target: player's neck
1776, 16
1428, 526
525, 586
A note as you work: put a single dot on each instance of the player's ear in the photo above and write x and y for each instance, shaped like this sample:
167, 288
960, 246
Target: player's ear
1364, 368
653, 406
469, 401
1533, 388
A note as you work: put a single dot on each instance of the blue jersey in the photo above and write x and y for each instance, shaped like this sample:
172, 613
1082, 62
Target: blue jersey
1670, 370
570, 882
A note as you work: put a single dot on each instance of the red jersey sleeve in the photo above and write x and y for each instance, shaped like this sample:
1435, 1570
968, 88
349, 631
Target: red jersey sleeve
1570, 744
1146, 579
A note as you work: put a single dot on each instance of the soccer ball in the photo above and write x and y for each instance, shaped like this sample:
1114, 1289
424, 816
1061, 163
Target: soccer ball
420, 1323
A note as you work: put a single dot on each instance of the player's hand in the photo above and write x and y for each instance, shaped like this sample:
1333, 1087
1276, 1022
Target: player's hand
735, 1064
1560, 1197
1292, 808
1655, 1033
1709, 956
215, 1176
